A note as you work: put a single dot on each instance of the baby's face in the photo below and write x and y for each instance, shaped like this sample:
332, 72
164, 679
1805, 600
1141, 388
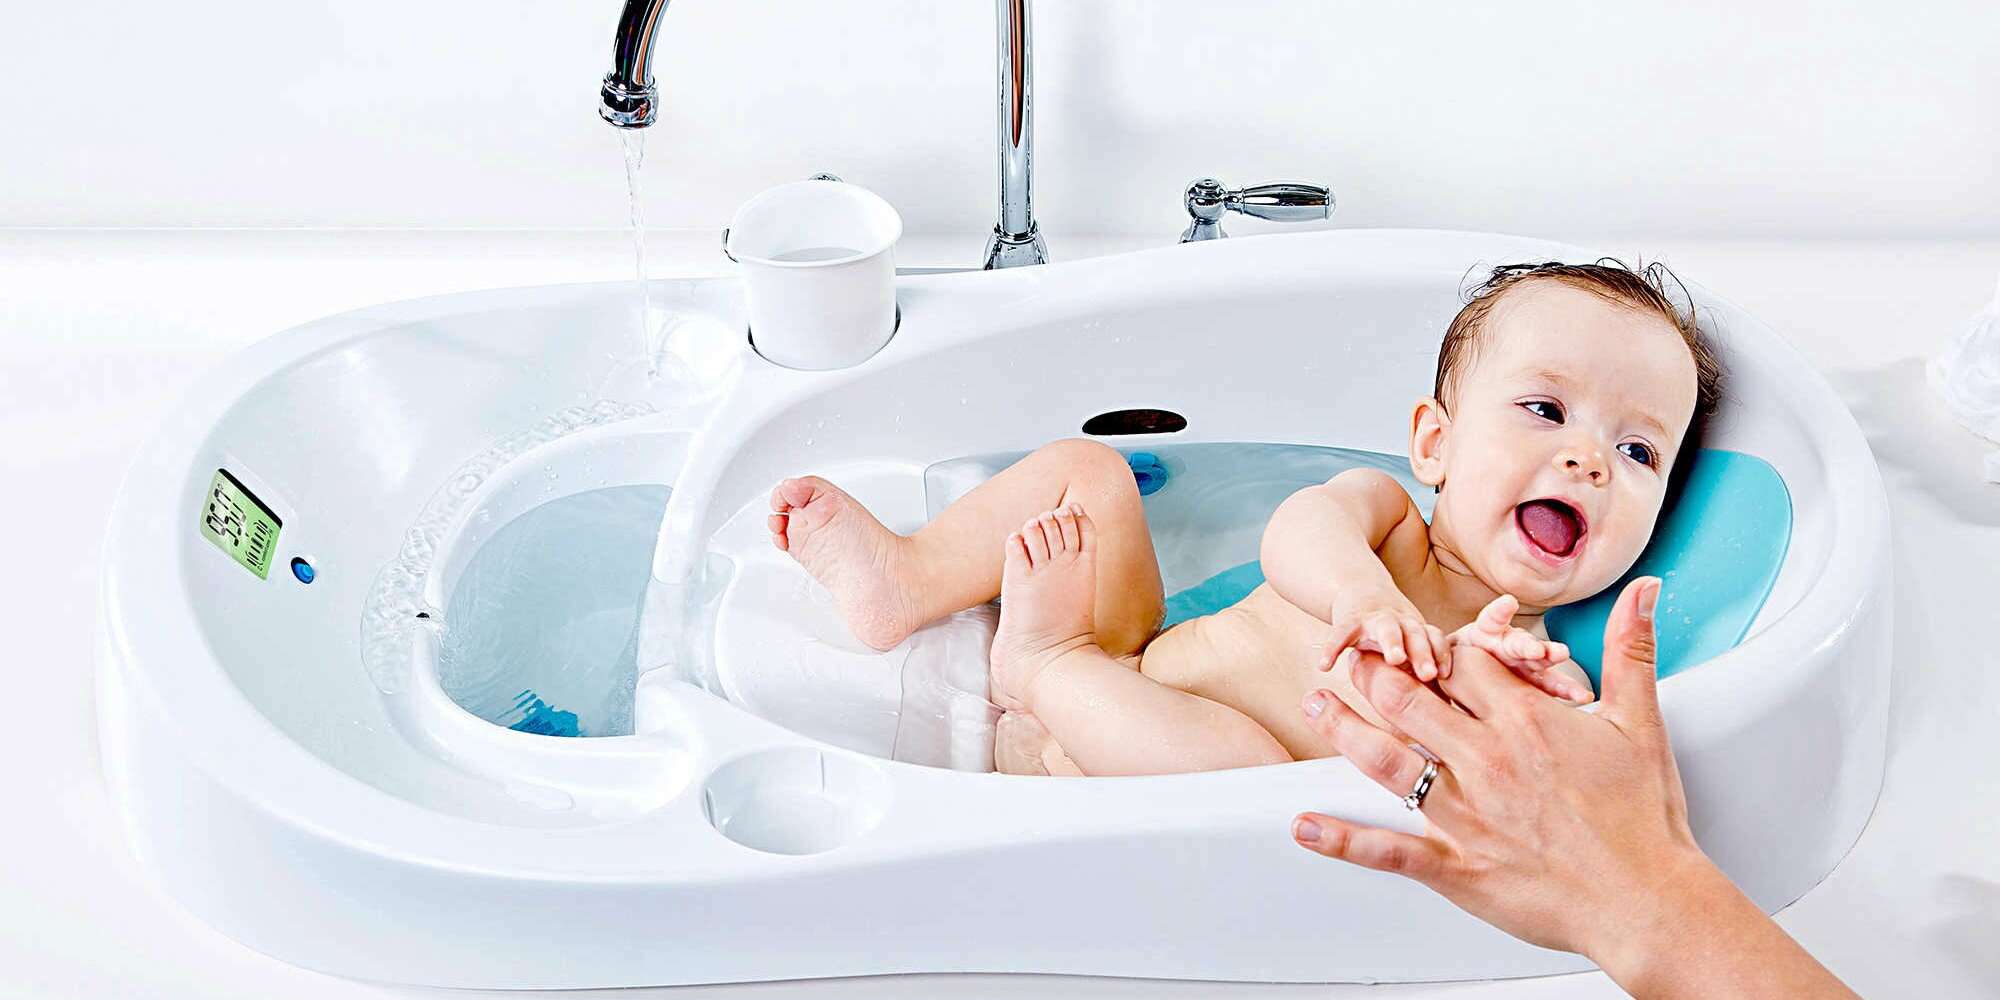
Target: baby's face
1555, 455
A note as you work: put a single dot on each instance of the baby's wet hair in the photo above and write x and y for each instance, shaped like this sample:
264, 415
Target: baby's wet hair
1644, 288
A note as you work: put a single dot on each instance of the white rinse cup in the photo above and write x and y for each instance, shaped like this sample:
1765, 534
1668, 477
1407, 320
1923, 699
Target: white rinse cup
819, 272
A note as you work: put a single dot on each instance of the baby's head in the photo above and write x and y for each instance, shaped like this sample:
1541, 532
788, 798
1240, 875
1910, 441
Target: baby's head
1567, 396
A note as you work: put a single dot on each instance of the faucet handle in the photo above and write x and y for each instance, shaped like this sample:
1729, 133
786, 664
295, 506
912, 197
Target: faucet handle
1208, 199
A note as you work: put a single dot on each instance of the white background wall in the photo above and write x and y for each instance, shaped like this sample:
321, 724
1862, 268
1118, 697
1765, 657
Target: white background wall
1770, 118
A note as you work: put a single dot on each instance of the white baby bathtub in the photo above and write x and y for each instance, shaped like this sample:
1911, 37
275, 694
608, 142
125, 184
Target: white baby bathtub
296, 777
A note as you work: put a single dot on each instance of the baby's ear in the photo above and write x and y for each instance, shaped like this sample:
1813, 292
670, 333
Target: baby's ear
1429, 425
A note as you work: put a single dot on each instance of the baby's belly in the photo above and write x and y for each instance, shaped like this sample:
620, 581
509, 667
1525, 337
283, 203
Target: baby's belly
1259, 657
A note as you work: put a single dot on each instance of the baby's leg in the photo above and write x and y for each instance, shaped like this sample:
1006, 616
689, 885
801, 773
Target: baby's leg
1109, 719
888, 585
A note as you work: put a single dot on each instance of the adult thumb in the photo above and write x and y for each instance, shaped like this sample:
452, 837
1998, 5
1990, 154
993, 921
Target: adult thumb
1631, 654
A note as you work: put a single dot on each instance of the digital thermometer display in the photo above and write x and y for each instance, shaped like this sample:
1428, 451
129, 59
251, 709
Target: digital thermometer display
238, 523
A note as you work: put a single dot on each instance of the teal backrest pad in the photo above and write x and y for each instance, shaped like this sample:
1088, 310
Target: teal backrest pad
1717, 554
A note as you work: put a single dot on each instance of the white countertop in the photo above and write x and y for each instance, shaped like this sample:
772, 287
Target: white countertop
101, 331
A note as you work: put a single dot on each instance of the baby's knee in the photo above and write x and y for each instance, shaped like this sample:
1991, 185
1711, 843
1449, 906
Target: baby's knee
1093, 467
1085, 455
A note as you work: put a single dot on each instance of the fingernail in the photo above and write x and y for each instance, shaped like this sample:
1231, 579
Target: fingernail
1315, 703
1649, 594
1305, 831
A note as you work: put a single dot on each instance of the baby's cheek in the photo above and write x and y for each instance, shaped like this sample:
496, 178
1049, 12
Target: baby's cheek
1620, 551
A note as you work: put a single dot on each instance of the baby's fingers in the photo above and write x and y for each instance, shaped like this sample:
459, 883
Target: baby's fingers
1521, 644
1382, 632
1545, 674
1423, 660
1497, 616
1344, 636
1559, 683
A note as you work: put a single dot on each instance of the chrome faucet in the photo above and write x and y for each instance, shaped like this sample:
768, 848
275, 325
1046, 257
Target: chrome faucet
629, 99
1016, 240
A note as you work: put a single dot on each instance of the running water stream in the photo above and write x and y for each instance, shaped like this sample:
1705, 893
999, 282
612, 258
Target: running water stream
635, 158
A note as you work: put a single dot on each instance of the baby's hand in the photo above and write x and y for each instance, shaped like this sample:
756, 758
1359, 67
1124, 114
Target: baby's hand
1384, 622
1544, 663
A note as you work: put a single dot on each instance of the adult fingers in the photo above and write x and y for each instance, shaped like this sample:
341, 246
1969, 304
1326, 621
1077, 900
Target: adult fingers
1631, 655
1416, 709
1486, 686
1387, 761
1420, 858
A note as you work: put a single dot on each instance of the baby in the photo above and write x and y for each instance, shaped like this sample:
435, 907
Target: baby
1566, 396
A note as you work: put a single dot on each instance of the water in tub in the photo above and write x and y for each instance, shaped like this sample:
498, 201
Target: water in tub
541, 630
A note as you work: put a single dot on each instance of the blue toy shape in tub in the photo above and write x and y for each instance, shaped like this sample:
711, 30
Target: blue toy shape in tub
1147, 471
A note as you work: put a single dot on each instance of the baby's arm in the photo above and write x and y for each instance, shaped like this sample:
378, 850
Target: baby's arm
1325, 551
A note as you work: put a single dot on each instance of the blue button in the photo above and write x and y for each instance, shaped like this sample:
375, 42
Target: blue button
303, 570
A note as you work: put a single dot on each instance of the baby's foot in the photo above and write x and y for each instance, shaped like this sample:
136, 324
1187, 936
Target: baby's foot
853, 555
1047, 590
1021, 745
1019, 740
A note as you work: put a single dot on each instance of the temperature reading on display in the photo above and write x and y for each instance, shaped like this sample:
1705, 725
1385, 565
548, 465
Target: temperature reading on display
239, 524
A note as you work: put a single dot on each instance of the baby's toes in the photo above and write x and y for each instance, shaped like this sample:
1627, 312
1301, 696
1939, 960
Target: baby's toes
1036, 542
1052, 530
1065, 520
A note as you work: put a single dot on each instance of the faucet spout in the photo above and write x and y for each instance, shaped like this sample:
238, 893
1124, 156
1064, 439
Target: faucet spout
1016, 240
629, 99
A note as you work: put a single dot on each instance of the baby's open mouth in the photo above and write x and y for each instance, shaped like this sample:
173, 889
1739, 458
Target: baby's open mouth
1550, 525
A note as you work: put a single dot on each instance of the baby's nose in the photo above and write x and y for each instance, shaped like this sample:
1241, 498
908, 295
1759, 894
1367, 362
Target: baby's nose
1584, 463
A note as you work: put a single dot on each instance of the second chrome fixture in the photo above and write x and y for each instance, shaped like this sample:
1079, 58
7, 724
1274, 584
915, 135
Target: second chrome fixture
1209, 199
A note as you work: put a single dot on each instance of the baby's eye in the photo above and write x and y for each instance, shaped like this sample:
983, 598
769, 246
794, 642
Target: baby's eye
1637, 452
1544, 408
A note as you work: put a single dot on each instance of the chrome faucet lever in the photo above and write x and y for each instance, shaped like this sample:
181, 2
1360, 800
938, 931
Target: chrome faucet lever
1209, 199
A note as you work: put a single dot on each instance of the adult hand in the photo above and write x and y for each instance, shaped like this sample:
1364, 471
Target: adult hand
1566, 829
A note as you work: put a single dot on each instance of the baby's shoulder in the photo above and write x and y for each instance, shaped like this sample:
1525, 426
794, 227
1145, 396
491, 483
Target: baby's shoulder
1408, 536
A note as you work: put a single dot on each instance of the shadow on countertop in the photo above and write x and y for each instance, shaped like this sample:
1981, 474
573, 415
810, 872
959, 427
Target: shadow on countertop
1917, 443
